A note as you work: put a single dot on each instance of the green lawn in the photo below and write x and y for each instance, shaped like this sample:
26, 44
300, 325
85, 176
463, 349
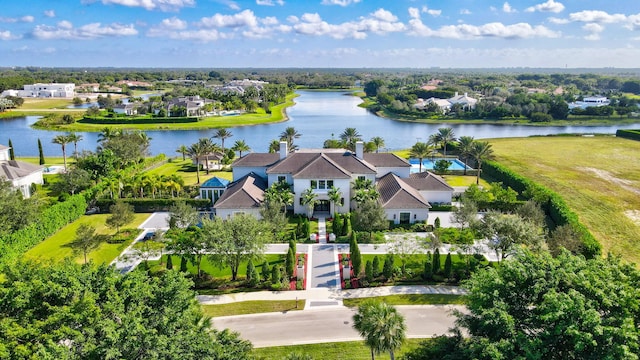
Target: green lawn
461, 180
411, 299
187, 171
351, 350
252, 307
56, 247
48, 160
598, 177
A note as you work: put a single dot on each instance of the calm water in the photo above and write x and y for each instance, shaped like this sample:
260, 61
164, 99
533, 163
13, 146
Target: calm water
317, 116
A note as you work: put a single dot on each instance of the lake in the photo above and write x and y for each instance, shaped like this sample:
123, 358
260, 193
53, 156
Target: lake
317, 116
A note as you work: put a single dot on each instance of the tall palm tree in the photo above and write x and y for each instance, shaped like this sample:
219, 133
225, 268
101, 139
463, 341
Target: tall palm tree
196, 151
309, 199
222, 134
240, 146
378, 142
481, 152
209, 147
108, 133
446, 136
334, 195
75, 139
289, 135
62, 140
420, 150
381, 325
434, 140
349, 136
182, 150
465, 144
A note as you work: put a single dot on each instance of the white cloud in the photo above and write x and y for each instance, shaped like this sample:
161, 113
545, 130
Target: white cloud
293, 19
594, 31
596, 16
163, 5
508, 9
7, 35
269, 2
549, 6
202, 35
379, 22
559, 21
634, 22
26, 19
384, 15
65, 30
243, 18
173, 23
431, 12
340, 2
50, 13
465, 12
497, 30
269, 21
414, 13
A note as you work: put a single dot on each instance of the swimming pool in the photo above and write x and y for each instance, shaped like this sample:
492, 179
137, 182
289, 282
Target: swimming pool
427, 164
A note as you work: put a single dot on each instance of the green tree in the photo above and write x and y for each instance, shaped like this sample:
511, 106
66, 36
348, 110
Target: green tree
289, 135
446, 136
182, 149
370, 216
72, 181
62, 140
121, 215
238, 239
290, 262
349, 137
381, 325
376, 266
368, 271
441, 166
183, 215
309, 200
252, 274
265, 271
505, 231
75, 139
196, 151
85, 240
40, 152
428, 271
465, 146
335, 195
420, 151
387, 267
436, 261
12, 154
448, 267
354, 255
147, 249
377, 142
169, 262
222, 134
481, 152
240, 146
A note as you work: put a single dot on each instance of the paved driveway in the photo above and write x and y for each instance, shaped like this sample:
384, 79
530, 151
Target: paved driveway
157, 220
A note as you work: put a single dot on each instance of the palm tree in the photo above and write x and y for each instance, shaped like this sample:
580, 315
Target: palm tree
334, 195
349, 136
465, 144
196, 151
481, 152
75, 139
378, 142
108, 133
289, 135
222, 134
382, 327
209, 147
62, 140
446, 136
420, 150
309, 199
182, 150
240, 146
274, 146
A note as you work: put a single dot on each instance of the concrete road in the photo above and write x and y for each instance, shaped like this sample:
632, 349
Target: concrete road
330, 324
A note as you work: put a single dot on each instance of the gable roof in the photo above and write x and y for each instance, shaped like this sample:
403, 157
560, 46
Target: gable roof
245, 193
2, 147
396, 194
385, 160
308, 166
257, 159
13, 170
428, 181
215, 182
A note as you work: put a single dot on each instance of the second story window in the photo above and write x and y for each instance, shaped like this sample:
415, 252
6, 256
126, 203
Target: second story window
321, 184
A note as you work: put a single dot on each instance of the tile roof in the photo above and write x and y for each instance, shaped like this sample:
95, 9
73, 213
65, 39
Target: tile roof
257, 159
428, 181
396, 194
12, 169
310, 165
385, 160
245, 193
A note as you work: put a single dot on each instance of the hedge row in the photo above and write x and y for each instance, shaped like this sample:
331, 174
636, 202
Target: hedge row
50, 221
151, 205
551, 202
629, 134
138, 120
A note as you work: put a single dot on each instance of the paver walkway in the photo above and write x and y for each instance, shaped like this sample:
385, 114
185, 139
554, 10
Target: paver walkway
322, 230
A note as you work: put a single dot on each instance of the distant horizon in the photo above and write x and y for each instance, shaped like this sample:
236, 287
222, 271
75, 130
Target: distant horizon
420, 34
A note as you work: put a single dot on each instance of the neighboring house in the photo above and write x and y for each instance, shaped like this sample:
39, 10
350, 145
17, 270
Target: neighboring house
589, 101
126, 109
464, 100
192, 108
445, 104
320, 169
89, 87
20, 174
210, 161
65, 90
213, 189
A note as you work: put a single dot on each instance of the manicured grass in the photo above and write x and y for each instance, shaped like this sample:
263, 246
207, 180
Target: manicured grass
461, 180
411, 299
57, 247
252, 307
260, 117
48, 160
38, 104
598, 177
187, 171
352, 350
217, 272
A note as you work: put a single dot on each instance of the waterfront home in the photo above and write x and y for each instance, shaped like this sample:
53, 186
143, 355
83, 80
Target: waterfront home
21, 174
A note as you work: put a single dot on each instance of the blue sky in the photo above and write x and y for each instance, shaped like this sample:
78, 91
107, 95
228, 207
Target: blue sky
320, 33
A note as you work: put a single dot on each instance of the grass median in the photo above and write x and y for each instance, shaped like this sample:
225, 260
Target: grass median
253, 307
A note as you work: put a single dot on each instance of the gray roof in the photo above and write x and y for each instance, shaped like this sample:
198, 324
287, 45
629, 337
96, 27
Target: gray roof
245, 193
257, 159
309, 165
385, 160
396, 194
2, 147
428, 181
12, 169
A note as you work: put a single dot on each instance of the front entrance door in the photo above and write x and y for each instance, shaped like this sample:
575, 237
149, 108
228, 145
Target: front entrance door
405, 218
322, 206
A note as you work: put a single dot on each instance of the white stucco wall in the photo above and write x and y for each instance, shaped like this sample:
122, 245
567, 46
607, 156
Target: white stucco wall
4, 155
420, 215
228, 213
402, 172
24, 183
300, 185
437, 196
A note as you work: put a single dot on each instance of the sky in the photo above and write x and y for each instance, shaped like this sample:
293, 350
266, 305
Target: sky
320, 33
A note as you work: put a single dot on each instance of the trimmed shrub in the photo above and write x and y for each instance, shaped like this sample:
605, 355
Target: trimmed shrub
629, 134
387, 269
448, 266
436, 262
152, 205
137, 120
376, 266
428, 271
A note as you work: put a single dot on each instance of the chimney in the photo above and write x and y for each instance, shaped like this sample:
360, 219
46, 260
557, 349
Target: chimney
465, 94
283, 150
359, 149
456, 95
